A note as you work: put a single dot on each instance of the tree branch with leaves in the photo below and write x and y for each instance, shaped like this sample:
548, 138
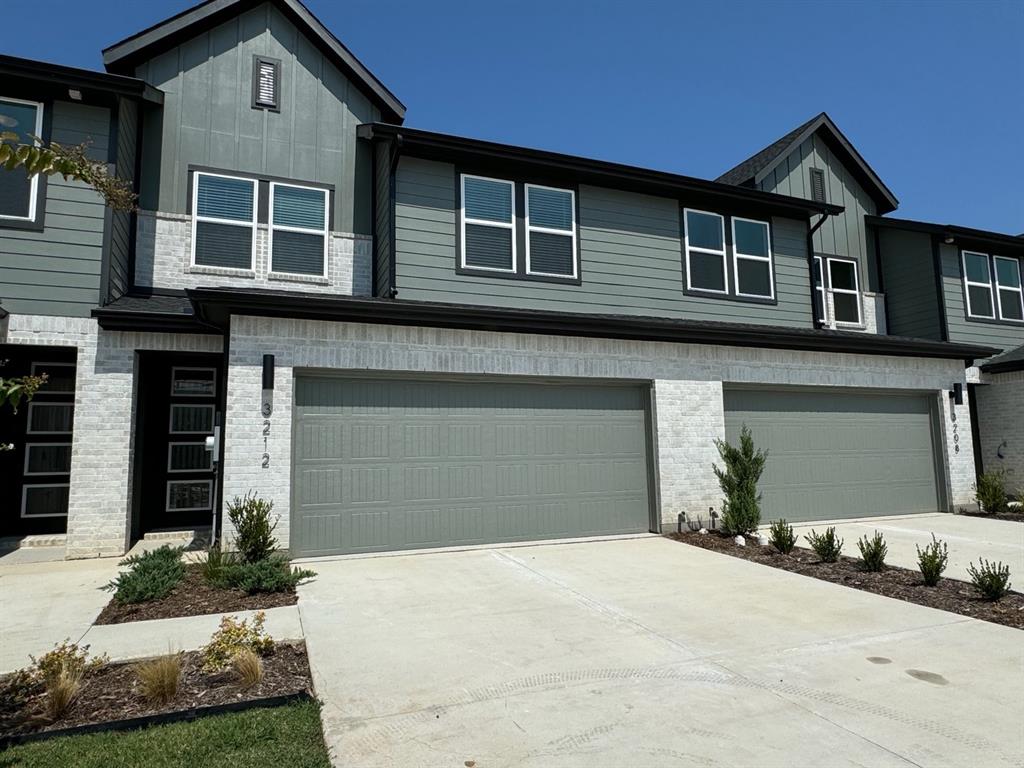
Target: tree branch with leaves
14, 390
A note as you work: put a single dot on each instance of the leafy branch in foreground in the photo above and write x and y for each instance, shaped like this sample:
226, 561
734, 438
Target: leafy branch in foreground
71, 162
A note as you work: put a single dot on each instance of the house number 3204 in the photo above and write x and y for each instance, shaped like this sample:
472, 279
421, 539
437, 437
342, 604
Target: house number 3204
266, 449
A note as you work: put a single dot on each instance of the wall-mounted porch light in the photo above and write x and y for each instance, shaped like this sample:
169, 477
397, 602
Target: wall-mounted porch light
956, 394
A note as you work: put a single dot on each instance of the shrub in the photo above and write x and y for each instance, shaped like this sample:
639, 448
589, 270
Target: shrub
873, 552
782, 536
741, 508
234, 635
248, 666
160, 677
826, 546
991, 579
932, 561
254, 530
65, 657
150, 576
17, 689
990, 492
270, 575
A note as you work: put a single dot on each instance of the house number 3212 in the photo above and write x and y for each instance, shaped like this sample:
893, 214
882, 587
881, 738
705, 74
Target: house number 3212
266, 449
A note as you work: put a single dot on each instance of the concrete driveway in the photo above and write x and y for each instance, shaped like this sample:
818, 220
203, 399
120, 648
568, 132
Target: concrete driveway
647, 652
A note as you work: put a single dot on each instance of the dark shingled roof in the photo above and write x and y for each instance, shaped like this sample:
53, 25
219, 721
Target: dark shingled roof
1012, 360
754, 168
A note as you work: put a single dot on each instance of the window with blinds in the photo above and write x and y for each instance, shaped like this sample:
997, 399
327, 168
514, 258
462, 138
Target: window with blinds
298, 230
550, 231
488, 224
223, 221
266, 83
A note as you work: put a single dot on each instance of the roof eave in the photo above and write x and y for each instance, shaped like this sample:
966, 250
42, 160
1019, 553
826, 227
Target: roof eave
954, 232
81, 79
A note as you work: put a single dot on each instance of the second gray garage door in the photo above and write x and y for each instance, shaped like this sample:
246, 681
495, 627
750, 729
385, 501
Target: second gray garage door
385, 464
839, 454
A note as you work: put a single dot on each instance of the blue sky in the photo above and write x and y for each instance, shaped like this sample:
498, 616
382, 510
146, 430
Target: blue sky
931, 93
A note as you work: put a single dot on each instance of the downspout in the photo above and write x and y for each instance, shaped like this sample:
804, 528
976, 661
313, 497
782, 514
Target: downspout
810, 272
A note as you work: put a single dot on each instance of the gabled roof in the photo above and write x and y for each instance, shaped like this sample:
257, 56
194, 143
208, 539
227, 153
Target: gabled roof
124, 56
751, 171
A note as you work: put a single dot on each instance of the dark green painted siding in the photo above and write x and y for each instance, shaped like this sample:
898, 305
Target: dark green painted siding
208, 119
1003, 335
842, 235
384, 218
631, 257
119, 279
56, 271
908, 269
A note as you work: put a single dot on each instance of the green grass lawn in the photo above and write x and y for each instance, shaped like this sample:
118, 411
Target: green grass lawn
283, 737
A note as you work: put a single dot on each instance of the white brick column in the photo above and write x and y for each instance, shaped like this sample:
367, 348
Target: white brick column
958, 450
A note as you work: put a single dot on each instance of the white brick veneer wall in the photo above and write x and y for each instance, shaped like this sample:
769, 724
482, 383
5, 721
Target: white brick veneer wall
872, 311
164, 255
1001, 423
102, 449
687, 384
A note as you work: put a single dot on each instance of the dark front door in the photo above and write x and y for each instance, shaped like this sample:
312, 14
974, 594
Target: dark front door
35, 472
179, 399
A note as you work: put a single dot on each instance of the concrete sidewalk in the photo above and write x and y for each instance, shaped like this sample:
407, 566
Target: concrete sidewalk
968, 538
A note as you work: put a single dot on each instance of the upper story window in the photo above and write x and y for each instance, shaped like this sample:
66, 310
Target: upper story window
844, 285
992, 285
550, 231
266, 83
488, 224
820, 302
223, 221
18, 192
704, 239
298, 230
752, 259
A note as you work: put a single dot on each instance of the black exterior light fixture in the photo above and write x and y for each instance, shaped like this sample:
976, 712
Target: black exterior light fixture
267, 405
947, 239
956, 394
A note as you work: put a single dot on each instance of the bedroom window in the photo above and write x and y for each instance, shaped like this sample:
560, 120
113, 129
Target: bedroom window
1009, 294
845, 288
752, 259
488, 224
18, 192
223, 221
550, 231
704, 239
298, 230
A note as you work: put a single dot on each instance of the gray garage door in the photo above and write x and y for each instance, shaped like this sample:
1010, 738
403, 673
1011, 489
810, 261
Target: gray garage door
839, 454
396, 463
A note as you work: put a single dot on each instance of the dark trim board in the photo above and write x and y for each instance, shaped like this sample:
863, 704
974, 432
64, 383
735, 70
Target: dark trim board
960, 236
214, 307
95, 86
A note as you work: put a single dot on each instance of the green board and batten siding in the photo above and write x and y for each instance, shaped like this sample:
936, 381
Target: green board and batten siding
208, 119
911, 290
840, 454
383, 464
631, 258
56, 271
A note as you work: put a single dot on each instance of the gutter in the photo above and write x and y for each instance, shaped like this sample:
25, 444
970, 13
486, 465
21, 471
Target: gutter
215, 306
810, 269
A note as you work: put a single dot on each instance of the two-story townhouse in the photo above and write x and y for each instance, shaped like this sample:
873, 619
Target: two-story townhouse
411, 339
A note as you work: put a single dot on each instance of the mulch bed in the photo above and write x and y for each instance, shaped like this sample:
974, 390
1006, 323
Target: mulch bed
1013, 517
194, 597
111, 693
903, 584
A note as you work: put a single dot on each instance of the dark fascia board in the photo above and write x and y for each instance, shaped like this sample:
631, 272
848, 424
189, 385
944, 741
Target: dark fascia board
214, 306
149, 322
585, 170
85, 80
1011, 244
123, 56
1008, 367
882, 195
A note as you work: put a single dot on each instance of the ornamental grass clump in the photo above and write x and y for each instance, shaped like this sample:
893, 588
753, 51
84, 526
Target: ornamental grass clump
932, 561
873, 552
991, 579
159, 678
248, 667
742, 468
826, 546
782, 537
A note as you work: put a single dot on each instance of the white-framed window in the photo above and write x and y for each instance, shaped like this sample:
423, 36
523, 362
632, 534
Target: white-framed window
223, 220
191, 419
45, 499
704, 243
18, 192
820, 296
550, 231
752, 258
193, 382
189, 457
488, 216
844, 285
50, 418
47, 459
298, 229
1009, 293
189, 495
978, 285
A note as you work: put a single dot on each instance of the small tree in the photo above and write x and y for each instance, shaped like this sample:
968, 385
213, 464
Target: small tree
741, 508
13, 391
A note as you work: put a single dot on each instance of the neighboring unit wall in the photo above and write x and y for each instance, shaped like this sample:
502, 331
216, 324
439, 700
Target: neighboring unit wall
384, 220
163, 259
908, 273
1000, 402
1004, 335
119, 270
631, 259
208, 118
56, 271
687, 381
102, 452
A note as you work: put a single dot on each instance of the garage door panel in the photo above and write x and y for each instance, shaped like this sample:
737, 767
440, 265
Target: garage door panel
839, 454
388, 464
